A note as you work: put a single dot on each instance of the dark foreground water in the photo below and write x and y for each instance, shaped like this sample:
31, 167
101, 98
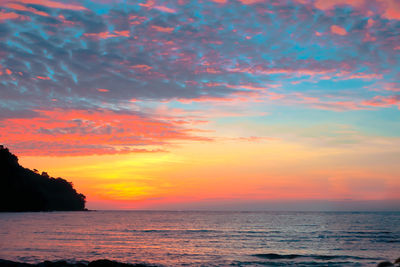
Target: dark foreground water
203, 238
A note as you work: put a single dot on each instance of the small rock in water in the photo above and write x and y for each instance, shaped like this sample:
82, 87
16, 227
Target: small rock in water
388, 263
385, 264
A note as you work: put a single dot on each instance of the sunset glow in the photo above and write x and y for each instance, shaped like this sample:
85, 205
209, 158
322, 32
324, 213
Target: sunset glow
163, 104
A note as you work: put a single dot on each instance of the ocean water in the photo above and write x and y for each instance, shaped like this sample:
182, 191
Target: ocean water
168, 238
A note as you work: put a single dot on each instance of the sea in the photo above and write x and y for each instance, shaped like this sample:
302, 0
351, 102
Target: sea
203, 238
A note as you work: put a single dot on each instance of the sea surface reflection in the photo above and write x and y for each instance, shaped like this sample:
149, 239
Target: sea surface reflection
202, 238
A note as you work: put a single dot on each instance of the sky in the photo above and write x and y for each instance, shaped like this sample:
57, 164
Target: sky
207, 104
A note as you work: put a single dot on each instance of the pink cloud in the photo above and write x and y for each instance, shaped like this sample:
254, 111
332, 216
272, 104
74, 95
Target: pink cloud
163, 29
242, 86
369, 38
338, 30
220, 1
122, 33
141, 67
24, 8
289, 71
150, 4
389, 9
330, 4
275, 96
136, 20
370, 23
165, 9
105, 35
11, 15
315, 70
205, 99
212, 42
394, 87
346, 75
43, 78
337, 105
328, 103
383, 101
52, 4
65, 21
250, 2
365, 76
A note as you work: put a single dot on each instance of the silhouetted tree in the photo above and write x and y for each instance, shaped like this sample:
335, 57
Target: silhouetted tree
22, 189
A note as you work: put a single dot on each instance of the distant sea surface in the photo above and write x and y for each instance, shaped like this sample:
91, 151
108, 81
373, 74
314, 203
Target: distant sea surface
168, 238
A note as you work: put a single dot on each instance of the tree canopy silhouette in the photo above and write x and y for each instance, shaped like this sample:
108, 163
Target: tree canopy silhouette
22, 189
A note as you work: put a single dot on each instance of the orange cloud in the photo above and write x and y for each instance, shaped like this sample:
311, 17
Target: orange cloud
81, 132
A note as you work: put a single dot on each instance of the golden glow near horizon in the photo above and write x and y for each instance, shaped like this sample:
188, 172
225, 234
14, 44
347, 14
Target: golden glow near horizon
232, 169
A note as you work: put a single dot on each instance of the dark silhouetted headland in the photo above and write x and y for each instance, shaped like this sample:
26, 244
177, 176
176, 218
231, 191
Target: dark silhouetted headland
22, 189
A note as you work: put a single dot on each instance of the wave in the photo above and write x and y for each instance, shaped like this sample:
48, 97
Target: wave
275, 256
95, 263
297, 264
174, 231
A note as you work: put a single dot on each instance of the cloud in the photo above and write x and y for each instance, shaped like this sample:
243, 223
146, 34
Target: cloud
91, 56
338, 30
47, 3
383, 101
389, 9
220, 1
250, 2
175, 48
11, 15
104, 35
81, 132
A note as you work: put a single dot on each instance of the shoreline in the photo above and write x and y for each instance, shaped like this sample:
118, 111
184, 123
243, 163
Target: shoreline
63, 263
111, 263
